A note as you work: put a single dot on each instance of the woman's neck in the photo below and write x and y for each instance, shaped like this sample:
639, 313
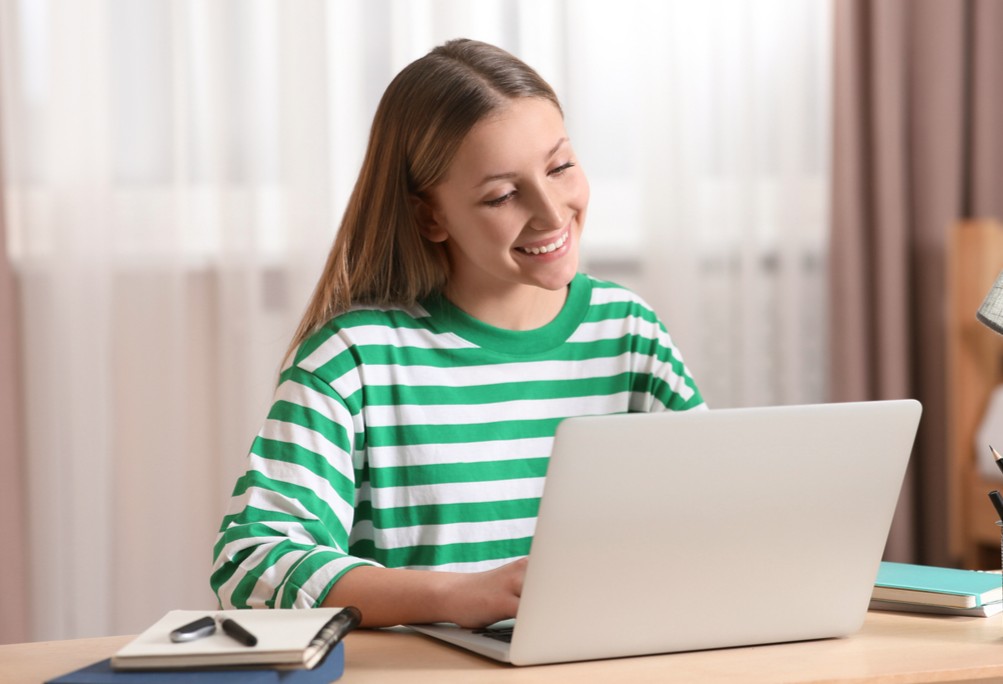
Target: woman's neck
525, 307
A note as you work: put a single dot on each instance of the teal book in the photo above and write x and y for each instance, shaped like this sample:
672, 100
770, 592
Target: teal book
927, 585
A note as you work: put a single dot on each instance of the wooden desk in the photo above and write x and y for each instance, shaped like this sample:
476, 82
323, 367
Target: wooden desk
890, 648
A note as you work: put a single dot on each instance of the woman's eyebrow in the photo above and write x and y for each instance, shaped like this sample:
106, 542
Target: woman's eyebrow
512, 174
553, 150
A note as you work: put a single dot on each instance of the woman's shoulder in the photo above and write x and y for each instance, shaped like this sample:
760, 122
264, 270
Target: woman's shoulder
390, 316
610, 292
363, 325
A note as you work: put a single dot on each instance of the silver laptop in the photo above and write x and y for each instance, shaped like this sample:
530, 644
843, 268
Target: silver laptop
683, 531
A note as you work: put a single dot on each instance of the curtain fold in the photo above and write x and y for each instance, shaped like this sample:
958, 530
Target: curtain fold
911, 156
13, 571
984, 190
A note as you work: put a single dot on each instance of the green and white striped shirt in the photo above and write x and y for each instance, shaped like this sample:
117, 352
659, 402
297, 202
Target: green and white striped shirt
419, 438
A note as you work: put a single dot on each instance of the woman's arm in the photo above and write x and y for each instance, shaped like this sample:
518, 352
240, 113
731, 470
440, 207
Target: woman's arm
286, 531
390, 597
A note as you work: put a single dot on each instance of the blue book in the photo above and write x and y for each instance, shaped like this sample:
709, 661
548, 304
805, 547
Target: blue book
933, 586
328, 670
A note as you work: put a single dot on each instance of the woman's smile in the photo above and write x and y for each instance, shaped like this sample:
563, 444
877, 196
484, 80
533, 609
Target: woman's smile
545, 247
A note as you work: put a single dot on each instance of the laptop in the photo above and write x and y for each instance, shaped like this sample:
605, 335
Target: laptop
667, 532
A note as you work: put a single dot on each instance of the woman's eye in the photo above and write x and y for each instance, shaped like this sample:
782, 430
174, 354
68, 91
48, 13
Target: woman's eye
498, 201
561, 169
557, 171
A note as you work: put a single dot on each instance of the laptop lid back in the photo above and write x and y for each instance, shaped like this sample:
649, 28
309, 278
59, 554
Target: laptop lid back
683, 531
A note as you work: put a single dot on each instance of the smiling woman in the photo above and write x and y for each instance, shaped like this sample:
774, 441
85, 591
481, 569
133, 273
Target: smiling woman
401, 466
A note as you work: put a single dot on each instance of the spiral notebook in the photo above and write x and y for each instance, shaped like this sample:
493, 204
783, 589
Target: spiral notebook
286, 638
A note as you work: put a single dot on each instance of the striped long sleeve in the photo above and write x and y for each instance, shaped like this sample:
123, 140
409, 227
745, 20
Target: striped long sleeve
419, 438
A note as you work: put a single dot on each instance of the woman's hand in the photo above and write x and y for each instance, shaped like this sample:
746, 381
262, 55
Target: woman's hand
390, 597
481, 598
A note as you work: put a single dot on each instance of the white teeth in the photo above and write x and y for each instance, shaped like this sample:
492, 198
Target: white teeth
546, 249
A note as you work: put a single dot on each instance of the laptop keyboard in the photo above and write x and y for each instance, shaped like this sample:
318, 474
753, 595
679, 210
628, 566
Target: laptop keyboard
499, 633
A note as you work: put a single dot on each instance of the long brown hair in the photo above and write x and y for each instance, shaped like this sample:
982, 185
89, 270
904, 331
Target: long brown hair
379, 256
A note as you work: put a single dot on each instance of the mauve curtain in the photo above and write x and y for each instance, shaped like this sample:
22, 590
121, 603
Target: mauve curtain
917, 103
13, 578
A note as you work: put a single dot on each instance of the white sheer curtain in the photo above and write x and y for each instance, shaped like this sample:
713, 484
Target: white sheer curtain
705, 128
174, 172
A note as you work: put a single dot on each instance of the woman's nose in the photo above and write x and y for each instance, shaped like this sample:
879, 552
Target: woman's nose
547, 214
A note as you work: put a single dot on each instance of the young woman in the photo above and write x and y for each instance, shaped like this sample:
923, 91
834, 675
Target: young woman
401, 465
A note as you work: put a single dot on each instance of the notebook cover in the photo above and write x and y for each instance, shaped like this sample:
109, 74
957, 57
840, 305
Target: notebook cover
329, 669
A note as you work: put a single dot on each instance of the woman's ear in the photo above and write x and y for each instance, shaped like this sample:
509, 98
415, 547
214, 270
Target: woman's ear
428, 221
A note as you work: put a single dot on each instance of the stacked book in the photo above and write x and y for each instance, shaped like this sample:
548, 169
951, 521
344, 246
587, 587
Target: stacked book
928, 589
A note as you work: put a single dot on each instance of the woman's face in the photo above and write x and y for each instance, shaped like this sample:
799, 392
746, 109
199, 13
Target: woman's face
511, 208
